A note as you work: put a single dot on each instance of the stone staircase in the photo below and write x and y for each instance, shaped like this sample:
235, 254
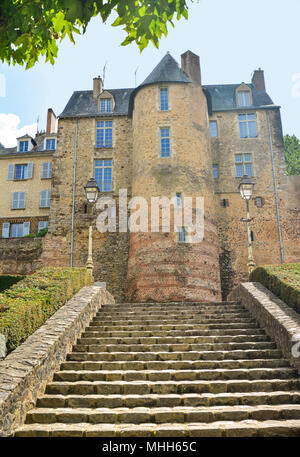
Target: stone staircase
176, 369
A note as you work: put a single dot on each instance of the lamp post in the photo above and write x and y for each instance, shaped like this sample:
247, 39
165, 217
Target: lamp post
91, 191
246, 190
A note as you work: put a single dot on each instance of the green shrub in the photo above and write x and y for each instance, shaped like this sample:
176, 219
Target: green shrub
282, 280
8, 280
29, 303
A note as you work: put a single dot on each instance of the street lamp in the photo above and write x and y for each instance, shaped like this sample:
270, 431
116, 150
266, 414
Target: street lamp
91, 191
246, 189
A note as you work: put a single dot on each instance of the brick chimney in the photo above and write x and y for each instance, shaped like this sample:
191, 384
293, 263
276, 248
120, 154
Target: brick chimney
51, 122
190, 64
258, 79
97, 87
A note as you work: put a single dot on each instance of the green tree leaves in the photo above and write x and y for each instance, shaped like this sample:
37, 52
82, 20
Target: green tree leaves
33, 28
292, 154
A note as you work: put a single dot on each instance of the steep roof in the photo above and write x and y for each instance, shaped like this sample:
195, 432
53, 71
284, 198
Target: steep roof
82, 103
166, 71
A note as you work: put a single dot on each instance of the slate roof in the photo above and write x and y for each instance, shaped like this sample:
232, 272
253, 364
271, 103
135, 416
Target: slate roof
220, 97
83, 104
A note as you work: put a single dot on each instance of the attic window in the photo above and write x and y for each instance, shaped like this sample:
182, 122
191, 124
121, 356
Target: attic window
244, 98
105, 105
23, 146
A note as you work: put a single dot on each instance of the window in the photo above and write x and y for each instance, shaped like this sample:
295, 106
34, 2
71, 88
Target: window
215, 171
45, 198
103, 175
165, 142
105, 105
23, 146
182, 235
259, 202
46, 170
213, 129
243, 165
224, 202
164, 99
50, 144
244, 98
16, 230
42, 225
18, 200
178, 199
247, 124
21, 172
104, 134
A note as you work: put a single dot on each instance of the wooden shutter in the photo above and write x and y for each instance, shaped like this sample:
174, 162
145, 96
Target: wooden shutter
5, 229
11, 172
29, 170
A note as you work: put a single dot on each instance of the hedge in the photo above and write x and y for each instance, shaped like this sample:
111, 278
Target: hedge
282, 280
29, 303
8, 280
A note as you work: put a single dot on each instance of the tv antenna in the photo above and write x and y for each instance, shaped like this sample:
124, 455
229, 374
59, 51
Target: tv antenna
135, 75
104, 70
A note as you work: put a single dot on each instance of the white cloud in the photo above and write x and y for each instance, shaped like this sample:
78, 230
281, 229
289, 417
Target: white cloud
10, 130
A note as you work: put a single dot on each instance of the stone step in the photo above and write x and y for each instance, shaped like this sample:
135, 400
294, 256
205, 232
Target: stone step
173, 339
174, 365
168, 387
177, 414
249, 323
171, 400
245, 428
171, 347
248, 354
205, 319
173, 326
175, 375
173, 313
175, 309
165, 305
91, 333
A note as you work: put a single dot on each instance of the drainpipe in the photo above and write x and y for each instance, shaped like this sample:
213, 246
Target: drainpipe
275, 188
73, 199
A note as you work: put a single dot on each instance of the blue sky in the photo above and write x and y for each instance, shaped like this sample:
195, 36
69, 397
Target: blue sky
232, 38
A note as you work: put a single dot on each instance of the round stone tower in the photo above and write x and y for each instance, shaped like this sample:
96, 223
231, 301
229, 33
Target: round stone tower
171, 158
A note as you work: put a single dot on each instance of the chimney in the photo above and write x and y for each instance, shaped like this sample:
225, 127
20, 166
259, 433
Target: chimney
190, 64
258, 79
97, 87
51, 122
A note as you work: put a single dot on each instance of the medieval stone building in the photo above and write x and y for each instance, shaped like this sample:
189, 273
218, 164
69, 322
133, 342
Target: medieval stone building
172, 136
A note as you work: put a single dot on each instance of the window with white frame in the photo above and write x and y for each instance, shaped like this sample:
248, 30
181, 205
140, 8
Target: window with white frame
213, 129
15, 230
19, 172
164, 99
46, 170
42, 225
243, 165
18, 200
165, 142
247, 124
23, 146
103, 174
50, 144
45, 198
244, 98
105, 105
104, 134
182, 235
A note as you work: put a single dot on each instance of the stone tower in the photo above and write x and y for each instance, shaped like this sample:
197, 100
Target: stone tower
160, 267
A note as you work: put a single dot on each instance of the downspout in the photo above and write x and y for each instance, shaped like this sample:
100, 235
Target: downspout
275, 188
73, 198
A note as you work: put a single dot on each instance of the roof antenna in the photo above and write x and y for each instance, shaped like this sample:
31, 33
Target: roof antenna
135, 76
37, 124
104, 69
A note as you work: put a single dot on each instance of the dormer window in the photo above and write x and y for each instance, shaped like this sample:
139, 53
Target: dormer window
105, 105
50, 144
244, 98
23, 146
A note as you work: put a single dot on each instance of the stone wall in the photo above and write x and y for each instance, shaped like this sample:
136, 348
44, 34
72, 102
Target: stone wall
279, 321
26, 371
20, 255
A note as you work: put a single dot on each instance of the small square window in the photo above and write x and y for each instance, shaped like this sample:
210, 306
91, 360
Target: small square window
105, 105
50, 144
244, 98
213, 129
23, 146
259, 202
215, 171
